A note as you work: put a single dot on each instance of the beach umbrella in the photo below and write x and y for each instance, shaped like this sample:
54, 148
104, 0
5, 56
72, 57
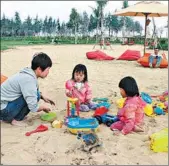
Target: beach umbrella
145, 9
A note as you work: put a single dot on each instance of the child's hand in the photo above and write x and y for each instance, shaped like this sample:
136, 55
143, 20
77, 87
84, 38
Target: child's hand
116, 132
69, 94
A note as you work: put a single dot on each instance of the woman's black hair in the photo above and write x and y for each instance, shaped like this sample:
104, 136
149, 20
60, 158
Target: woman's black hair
41, 60
129, 85
80, 68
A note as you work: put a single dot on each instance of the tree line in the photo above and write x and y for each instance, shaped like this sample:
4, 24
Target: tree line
78, 24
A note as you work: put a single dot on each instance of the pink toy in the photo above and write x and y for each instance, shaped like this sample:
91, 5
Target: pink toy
40, 128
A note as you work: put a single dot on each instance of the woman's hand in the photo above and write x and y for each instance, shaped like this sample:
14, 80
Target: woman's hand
44, 108
47, 100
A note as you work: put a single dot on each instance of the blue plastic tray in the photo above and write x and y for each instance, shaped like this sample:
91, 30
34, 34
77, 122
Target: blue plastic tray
79, 123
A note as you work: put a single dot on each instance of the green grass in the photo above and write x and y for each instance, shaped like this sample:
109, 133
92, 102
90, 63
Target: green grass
11, 44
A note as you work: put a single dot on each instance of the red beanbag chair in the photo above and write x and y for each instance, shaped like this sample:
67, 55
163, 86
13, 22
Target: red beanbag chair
144, 61
98, 55
130, 55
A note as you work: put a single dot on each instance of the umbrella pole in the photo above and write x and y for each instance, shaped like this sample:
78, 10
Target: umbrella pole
146, 14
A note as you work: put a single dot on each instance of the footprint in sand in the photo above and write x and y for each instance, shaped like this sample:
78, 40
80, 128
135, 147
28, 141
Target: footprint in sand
152, 122
45, 158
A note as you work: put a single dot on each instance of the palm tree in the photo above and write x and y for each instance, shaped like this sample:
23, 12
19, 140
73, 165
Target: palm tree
99, 16
96, 19
125, 5
101, 5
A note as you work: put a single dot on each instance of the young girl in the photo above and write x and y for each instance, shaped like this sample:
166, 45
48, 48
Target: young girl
131, 116
78, 87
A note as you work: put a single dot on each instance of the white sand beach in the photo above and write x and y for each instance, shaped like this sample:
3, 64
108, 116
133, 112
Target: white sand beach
58, 146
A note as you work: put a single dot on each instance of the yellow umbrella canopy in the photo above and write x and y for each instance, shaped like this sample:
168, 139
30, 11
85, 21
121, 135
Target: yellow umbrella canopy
145, 9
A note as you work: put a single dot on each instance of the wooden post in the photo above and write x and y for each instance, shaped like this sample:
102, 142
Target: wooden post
146, 15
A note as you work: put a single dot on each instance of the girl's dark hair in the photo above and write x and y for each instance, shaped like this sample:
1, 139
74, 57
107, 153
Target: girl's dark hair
41, 60
130, 86
80, 68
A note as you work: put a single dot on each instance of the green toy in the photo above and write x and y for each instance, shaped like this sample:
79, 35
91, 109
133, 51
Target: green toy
50, 117
100, 99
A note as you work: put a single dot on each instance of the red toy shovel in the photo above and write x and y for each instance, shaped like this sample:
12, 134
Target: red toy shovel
40, 128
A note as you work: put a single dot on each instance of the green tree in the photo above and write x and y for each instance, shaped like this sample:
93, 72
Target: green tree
50, 25
37, 25
45, 24
129, 24
63, 28
17, 24
92, 23
27, 26
58, 26
74, 20
85, 23
137, 27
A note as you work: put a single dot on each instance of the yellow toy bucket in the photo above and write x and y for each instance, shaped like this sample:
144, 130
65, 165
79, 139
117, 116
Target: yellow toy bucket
159, 141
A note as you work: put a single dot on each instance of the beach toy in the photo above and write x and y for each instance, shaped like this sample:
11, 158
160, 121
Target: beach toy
74, 107
161, 105
165, 93
146, 97
100, 99
40, 128
166, 98
166, 104
159, 141
120, 102
78, 124
148, 110
162, 98
103, 104
90, 140
57, 124
102, 116
50, 117
159, 111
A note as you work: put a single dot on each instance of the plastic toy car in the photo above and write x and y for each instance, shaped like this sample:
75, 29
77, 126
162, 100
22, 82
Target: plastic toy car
102, 116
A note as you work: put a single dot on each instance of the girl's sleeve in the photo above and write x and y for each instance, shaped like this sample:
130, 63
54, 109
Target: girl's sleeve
68, 86
88, 93
129, 119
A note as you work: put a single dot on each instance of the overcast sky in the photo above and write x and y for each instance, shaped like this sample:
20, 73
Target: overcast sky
61, 9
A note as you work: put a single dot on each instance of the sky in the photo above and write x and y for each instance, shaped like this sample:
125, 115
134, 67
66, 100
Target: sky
62, 9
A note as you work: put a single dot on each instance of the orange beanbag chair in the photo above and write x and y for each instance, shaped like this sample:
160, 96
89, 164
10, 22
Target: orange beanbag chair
144, 61
98, 55
3, 78
130, 55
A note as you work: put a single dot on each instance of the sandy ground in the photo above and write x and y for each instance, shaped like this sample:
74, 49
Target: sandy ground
57, 146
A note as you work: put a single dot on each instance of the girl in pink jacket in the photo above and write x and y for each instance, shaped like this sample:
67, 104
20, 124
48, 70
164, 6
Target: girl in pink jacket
78, 87
131, 116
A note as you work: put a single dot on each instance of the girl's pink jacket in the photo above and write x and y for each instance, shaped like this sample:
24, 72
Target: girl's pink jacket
131, 115
84, 95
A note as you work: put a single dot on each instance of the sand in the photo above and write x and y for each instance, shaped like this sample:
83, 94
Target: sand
58, 146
